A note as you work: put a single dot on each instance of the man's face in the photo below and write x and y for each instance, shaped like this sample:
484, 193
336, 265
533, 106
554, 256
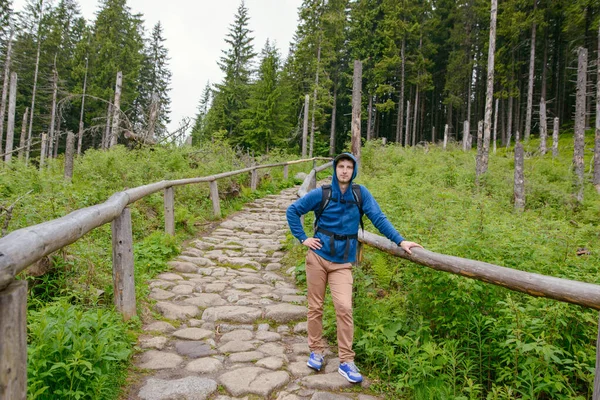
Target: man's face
344, 170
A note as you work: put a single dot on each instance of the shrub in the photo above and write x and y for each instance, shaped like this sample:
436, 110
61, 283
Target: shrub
75, 353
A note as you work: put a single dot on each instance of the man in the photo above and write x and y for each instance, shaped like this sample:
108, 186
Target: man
331, 252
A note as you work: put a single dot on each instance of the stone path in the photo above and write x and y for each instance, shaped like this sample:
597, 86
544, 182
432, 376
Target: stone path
233, 324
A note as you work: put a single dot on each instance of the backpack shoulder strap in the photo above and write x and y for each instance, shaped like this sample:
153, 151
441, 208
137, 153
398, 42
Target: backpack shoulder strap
325, 199
357, 194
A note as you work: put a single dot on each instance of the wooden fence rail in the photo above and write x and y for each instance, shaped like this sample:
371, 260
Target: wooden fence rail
23, 247
565, 290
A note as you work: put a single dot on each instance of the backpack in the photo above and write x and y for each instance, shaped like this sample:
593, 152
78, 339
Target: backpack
358, 200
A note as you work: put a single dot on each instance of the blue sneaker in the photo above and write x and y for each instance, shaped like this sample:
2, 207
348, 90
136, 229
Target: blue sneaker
349, 371
315, 361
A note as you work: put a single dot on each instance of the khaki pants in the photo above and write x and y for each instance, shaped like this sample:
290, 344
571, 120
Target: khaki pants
319, 272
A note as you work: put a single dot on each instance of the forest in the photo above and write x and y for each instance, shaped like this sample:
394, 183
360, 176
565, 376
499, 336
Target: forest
65, 73
424, 67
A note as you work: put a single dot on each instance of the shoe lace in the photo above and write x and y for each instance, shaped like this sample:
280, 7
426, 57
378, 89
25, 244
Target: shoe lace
318, 357
352, 367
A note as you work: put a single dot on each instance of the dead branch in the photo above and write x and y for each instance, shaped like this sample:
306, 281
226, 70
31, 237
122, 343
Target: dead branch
8, 211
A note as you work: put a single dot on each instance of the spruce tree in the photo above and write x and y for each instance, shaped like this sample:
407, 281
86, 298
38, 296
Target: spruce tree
117, 45
154, 82
231, 95
264, 123
199, 133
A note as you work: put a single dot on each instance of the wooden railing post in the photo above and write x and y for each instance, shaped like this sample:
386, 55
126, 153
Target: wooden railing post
313, 181
286, 172
314, 163
254, 179
123, 268
214, 195
596, 394
13, 341
170, 211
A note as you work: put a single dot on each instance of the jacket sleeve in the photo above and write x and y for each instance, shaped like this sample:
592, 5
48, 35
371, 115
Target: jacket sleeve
378, 218
300, 207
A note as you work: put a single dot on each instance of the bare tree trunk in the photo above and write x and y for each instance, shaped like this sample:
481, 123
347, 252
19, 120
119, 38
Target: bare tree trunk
519, 180
333, 116
407, 134
35, 77
596, 179
400, 119
370, 118
421, 135
543, 126
509, 123
469, 94
5, 86
416, 107
10, 130
445, 136
433, 134
356, 105
80, 133
519, 112
502, 123
555, 138
489, 96
69, 154
117, 110
531, 78
57, 136
43, 151
449, 115
106, 135
580, 122
376, 124
314, 106
479, 157
51, 138
305, 127
466, 134
153, 117
544, 66
22, 138
495, 137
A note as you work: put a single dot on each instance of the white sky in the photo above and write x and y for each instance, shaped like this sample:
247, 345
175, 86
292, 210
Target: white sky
195, 31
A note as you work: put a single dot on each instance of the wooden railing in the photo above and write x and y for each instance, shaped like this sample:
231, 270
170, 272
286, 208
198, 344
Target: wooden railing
565, 290
23, 247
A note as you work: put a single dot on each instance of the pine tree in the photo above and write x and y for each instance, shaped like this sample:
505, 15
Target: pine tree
65, 27
264, 124
117, 45
154, 82
231, 95
199, 133
315, 65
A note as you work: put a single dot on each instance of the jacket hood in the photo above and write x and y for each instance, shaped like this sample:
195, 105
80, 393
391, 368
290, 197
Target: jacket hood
348, 156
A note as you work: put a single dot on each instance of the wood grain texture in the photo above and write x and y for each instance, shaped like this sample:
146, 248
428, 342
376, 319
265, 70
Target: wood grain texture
123, 276
214, 196
569, 291
13, 346
169, 200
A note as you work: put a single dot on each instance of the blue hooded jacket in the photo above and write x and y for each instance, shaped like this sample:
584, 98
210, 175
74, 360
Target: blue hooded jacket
341, 218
